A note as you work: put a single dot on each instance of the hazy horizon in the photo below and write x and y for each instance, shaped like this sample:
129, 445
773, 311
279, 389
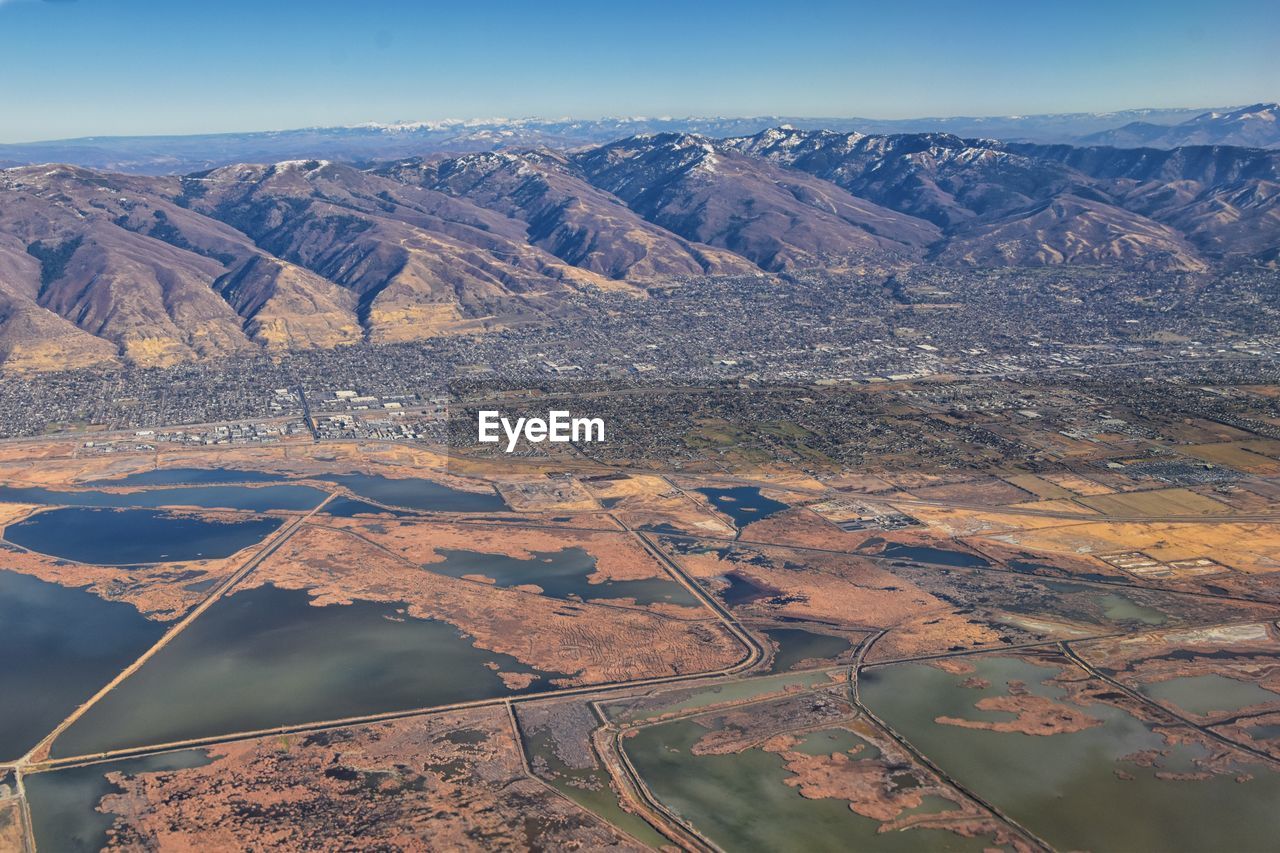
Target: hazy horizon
457, 121
79, 68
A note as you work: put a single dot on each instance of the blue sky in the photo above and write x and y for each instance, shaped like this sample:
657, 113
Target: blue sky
99, 67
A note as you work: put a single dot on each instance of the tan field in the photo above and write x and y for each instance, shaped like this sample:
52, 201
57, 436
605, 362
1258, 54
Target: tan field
1039, 486
1056, 506
1246, 547
1079, 485
1251, 457
1156, 503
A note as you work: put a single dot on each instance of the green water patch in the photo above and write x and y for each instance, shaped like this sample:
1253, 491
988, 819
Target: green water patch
560, 574
64, 803
589, 788
1120, 608
1266, 731
741, 801
1115, 606
60, 644
1209, 694
692, 698
831, 741
1074, 789
266, 657
121, 537
796, 645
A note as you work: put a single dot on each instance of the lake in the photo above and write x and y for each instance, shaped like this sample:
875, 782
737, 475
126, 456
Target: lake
266, 657
116, 537
345, 507
250, 498
191, 476
743, 504
417, 493
60, 645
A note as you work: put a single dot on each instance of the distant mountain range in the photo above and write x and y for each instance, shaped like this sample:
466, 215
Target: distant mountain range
164, 155
1255, 126
98, 267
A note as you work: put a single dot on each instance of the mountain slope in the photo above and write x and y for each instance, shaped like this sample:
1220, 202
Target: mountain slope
418, 261
1071, 230
975, 189
100, 268
568, 217
776, 218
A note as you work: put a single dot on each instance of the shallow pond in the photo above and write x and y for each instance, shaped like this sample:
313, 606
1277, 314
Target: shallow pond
742, 802
64, 803
1065, 787
741, 590
796, 645
560, 574
116, 537
692, 698
590, 788
1209, 694
266, 657
1116, 606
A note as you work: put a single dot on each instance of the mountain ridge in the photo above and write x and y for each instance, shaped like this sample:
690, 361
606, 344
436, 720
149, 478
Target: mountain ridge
100, 267
368, 141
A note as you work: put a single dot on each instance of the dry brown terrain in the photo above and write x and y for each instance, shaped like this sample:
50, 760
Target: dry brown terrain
588, 643
453, 781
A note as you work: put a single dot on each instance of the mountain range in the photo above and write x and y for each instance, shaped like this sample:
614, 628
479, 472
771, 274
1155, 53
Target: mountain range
1252, 126
99, 267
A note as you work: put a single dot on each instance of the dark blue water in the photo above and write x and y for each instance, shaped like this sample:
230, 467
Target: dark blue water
64, 803
560, 574
742, 591
940, 556
266, 657
115, 537
250, 498
191, 476
343, 507
60, 645
744, 504
417, 493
